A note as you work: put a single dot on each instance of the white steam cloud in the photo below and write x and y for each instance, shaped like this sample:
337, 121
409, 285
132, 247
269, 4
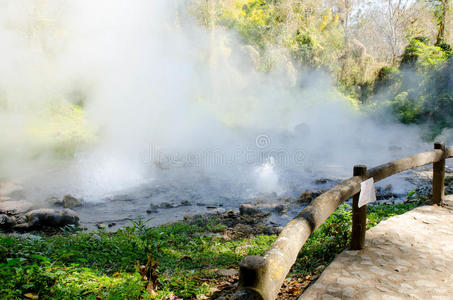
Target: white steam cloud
169, 100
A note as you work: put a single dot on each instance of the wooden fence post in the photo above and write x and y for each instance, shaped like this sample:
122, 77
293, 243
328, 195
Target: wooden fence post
358, 215
439, 176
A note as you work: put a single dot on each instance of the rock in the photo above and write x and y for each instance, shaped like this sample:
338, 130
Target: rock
53, 200
21, 219
308, 196
152, 209
70, 201
277, 230
320, 268
227, 272
321, 181
249, 210
185, 203
7, 221
100, 226
47, 217
15, 207
281, 209
325, 181
196, 219
166, 205
244, 228
272, 230
188, 217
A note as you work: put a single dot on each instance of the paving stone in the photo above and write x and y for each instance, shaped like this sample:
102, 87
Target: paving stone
404, 258
333, 289
329, 297
392, 297
349, 292
383, 288
347, 281
379, 271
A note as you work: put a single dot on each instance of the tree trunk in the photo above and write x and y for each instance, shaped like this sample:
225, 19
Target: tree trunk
442, 20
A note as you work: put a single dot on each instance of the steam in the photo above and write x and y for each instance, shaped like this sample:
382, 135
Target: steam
267, 177
165, 99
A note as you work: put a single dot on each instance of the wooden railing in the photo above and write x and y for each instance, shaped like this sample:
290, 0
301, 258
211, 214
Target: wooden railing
260, 277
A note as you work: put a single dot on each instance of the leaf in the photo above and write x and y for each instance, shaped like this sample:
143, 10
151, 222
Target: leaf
40, 257
31, 296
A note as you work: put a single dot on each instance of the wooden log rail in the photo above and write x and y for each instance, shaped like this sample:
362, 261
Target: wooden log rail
260, 277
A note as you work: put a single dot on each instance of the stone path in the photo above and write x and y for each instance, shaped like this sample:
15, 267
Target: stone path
409, 256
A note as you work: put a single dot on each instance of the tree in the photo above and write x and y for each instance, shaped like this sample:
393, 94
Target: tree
441, 8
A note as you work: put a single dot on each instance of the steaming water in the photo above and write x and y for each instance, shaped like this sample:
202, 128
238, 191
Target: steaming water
267, 179
178, 112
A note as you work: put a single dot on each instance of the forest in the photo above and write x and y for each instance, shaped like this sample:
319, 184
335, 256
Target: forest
391, 56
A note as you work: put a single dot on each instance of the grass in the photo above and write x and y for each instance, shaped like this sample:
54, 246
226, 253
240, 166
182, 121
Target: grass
177, 260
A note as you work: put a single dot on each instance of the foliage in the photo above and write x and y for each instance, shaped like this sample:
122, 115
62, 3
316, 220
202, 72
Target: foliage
310, 33
59, 128
421, 55
325, 243
419, 91
107, 265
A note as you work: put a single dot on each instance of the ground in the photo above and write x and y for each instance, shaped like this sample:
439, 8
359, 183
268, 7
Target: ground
406, 257
195, 259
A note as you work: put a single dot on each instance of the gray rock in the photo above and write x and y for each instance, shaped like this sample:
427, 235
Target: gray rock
227, 272
21, 219
15, 207
281, 209
308, 196
152, 209
277, 230
7, 221
70, 201
47, 217
185, 203
166, 205
249, 210
53, 200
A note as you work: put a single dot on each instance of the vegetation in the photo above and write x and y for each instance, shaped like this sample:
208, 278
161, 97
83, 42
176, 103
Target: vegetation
391, 55
140, 262
418, 92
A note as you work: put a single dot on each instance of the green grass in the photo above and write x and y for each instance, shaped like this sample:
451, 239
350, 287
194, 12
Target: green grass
181, 258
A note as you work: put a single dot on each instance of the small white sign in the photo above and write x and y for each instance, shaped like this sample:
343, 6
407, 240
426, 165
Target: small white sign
367, 192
